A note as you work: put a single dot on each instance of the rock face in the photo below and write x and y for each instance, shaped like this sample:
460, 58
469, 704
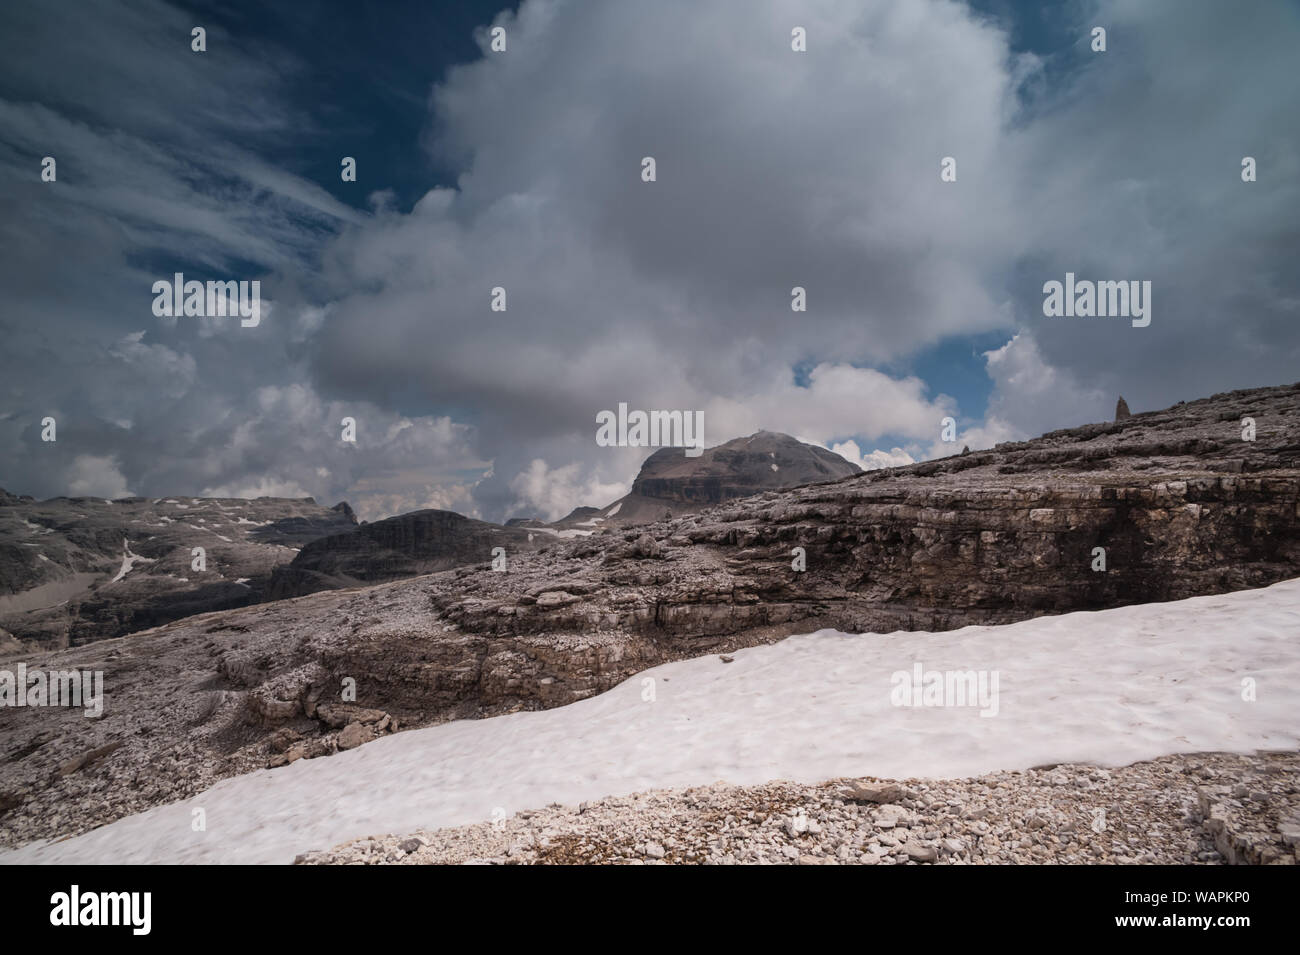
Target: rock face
1160, 506
422, 542
1236, 814
739, 468
74, 570
671, 482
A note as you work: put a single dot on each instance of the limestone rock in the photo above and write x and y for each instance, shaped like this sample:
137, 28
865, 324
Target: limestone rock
871, 792
353, 735
920, 853
338, 715
89, 758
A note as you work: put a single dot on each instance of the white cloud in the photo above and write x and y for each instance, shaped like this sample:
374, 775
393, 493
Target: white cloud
262, 487
1033, 396
96, 476
401, 494
676, 294
872, 460
551, 493
839, 400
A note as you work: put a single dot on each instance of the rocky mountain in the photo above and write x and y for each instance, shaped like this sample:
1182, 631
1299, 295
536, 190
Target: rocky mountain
74, 570
672, 484
421, 542
1157, 506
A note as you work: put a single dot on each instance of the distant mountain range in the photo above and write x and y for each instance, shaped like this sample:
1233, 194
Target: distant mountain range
74, 570
78, 569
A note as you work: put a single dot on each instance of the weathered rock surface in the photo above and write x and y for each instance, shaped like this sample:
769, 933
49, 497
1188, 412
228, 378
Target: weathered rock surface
1248, 823
422, 542
75, 570
1148, 812
1179, 502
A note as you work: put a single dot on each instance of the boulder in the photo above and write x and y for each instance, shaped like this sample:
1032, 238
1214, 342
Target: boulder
354, 735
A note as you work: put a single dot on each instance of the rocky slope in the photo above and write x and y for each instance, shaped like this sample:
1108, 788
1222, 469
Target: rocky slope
1211, 808
422, 542
1180, 503
75, 570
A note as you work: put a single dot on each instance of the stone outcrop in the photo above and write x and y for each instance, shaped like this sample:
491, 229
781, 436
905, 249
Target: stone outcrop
1121, 409
739, 468
1248, 823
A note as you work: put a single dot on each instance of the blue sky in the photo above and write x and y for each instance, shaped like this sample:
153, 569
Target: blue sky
362, 77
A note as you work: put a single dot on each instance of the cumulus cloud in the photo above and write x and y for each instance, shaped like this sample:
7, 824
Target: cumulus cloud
263, 487
1133, 169
1031, 396
96, 476
676, 294
872, 460
774, 177
837, 400
551, 493
399, 492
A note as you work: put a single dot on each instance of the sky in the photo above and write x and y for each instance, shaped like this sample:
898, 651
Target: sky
522, 169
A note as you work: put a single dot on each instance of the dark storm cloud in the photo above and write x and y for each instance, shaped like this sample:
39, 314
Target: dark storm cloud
1136, 173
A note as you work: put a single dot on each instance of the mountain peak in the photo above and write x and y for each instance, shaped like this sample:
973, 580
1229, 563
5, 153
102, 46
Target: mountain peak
669, 481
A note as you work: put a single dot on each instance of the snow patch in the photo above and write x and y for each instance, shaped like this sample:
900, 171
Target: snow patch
564, 534
129, 560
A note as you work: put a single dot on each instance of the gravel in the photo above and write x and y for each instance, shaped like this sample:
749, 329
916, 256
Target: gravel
1213, 808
